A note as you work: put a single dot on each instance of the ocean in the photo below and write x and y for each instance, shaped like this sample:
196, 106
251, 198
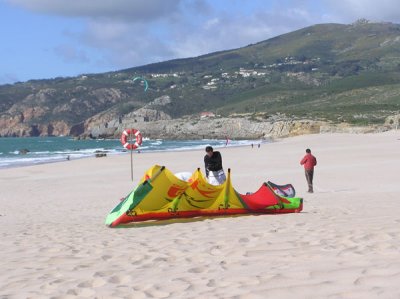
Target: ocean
41, 150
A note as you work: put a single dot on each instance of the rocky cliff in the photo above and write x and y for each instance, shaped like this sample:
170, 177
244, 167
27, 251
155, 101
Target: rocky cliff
155, 124
50, 111
40, 113
232, 128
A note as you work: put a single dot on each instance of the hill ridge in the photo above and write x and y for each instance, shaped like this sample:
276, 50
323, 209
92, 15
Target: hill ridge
328, 72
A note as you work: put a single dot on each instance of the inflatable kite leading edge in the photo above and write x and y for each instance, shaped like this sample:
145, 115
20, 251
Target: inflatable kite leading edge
161, 195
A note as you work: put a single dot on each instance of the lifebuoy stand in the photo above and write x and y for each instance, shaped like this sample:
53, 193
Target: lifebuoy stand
131, 146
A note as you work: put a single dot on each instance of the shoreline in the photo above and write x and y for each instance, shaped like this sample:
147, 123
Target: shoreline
122, 151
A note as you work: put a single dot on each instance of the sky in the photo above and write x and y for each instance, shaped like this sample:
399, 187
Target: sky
43, 39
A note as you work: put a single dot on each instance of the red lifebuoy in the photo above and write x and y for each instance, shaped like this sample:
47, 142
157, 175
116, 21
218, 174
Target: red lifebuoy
126, 134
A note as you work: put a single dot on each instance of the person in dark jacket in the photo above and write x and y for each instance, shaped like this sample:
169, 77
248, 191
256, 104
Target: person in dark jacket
309, 161
213, 164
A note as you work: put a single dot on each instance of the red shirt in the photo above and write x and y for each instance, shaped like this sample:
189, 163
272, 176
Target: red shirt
309, 161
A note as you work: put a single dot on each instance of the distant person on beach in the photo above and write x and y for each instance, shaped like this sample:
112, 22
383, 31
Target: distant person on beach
309, 161
213, 164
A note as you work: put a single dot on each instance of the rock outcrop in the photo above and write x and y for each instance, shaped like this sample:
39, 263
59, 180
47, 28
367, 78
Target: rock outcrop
213, 128
27, 118
233, 128
49, 111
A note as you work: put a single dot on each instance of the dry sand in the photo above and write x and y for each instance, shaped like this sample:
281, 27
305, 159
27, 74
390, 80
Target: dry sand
345, 244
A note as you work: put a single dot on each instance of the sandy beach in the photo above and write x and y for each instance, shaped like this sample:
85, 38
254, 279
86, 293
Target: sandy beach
345, 243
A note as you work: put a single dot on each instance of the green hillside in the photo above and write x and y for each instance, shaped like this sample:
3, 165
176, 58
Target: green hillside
335, 72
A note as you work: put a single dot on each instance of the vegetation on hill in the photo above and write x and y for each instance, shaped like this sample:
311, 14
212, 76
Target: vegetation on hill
344, 73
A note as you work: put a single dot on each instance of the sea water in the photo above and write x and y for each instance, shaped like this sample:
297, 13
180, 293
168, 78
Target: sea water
55, 149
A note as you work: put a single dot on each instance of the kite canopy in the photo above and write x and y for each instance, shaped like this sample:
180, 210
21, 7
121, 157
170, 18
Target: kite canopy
283, 190
146, 85
161, 195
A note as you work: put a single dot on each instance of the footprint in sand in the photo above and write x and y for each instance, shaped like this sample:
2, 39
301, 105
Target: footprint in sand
197, 270
103, 273
244, 240
256, 235
215, 250
86, 284
80, 267
94, 283
120, 279
211, 283
157, 294
106, 257
223, 265
160, 259
81, 292
114, 279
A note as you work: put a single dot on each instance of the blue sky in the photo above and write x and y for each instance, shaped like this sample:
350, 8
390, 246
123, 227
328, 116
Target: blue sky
57, 38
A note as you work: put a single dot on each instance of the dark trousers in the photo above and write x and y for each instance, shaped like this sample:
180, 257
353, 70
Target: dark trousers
309, 177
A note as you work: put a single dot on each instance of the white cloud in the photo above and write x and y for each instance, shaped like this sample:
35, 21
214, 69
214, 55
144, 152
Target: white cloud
123, 45
126, 33
228, 32
129, 10
351, 10
211, 23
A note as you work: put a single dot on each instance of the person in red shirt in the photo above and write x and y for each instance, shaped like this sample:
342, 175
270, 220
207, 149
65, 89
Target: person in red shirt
309, 161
